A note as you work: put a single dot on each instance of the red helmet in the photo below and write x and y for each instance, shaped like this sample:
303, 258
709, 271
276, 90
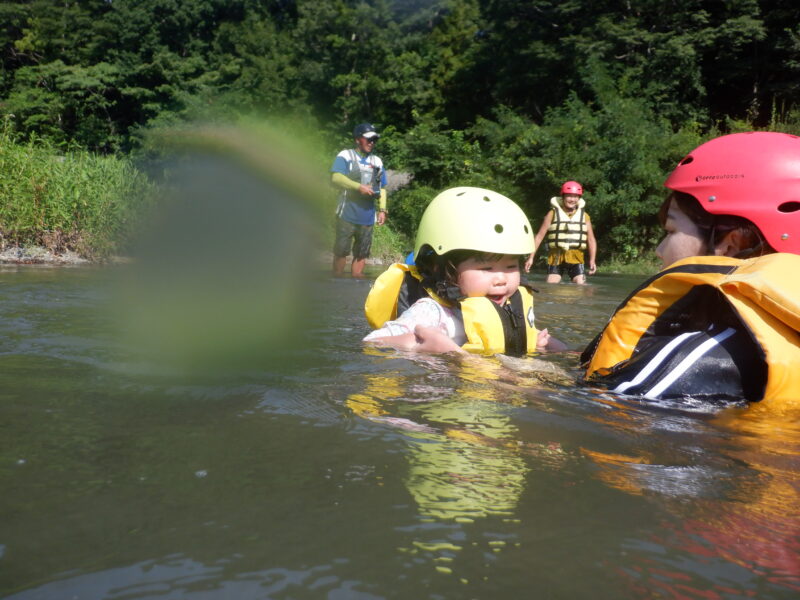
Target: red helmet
753, 175
572, 187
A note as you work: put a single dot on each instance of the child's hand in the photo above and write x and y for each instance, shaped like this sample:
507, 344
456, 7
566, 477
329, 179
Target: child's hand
545, 341
434, 340
542, 339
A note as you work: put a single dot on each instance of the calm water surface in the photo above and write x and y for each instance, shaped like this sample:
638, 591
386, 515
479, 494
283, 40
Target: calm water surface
334, 471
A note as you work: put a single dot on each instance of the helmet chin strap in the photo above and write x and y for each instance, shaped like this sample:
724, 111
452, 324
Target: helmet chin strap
711, 241
449, 291
756, 250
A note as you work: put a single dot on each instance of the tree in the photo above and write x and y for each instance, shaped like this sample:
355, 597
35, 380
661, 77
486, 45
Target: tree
617, 146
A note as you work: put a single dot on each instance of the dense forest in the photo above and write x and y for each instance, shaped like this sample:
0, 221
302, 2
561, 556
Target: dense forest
516, 95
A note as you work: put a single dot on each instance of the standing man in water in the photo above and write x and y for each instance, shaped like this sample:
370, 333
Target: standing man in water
361, 179
569, 233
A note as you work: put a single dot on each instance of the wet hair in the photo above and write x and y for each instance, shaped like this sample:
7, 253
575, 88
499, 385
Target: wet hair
715, 227
440, 273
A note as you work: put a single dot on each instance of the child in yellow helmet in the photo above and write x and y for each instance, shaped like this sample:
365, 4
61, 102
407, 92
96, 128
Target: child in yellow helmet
464, 293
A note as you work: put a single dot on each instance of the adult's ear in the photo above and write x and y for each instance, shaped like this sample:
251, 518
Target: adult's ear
731, 244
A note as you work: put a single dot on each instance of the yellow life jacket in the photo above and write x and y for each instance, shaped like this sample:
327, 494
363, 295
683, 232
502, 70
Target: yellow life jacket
763, 292
567, 232
490, 329
397, 288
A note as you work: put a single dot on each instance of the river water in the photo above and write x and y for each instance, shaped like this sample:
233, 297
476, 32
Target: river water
327, 470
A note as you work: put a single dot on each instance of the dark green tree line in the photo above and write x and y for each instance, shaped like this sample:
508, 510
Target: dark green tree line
512, 94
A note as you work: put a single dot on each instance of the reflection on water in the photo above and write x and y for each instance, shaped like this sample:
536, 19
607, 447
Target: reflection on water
347, 472
732, 504
463, 459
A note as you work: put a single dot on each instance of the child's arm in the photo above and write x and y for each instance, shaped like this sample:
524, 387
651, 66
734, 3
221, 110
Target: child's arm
434, 340
423, 327
403, 341
424, 339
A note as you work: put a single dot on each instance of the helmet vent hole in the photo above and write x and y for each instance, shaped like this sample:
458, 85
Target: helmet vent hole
487, 199
460, 193
525, 227
498, 228
686, 161
789, 207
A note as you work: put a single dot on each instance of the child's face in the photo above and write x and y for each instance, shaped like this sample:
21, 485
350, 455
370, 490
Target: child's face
497, 280
683, 238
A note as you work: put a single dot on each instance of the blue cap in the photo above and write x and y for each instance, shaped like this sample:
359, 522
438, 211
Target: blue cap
365, 130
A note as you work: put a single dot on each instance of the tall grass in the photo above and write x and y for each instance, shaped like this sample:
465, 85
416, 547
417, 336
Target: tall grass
388, 245
645, 265
70, 200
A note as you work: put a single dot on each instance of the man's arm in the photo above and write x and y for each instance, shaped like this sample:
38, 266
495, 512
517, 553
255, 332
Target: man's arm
591, 242
382, 207
343, 182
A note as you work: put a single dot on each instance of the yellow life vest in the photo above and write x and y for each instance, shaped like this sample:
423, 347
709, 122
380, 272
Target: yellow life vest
567, 232
490, 329
763, 292
397, 288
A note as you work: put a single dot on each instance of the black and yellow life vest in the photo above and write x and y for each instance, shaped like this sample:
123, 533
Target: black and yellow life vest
490, 329
762, 294
567, 232
397, 288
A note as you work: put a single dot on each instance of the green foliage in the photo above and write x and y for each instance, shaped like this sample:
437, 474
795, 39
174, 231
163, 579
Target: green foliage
439, 158
72, 201
66, 103
514, 95
645, 265
93, 71
692, 60
616, 146
388, 245
406, 207
787, 123
436, 155
621, 153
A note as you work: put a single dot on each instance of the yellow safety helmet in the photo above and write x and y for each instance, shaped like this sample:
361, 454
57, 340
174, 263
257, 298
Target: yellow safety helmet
470, 218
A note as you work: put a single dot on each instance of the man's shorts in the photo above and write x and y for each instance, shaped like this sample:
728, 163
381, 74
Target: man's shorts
360, 235
571, 269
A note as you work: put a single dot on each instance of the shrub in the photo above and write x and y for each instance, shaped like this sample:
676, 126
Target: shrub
74, 200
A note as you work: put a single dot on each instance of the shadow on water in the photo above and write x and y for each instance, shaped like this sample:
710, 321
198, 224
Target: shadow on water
339, 471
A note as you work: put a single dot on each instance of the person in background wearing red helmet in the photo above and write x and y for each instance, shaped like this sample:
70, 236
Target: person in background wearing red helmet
569, 233
722, 320
360, 177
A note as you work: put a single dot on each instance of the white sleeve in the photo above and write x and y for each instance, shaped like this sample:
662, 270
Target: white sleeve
426, 312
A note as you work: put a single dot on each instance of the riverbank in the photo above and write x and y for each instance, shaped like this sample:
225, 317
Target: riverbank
38, 255
66, 207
